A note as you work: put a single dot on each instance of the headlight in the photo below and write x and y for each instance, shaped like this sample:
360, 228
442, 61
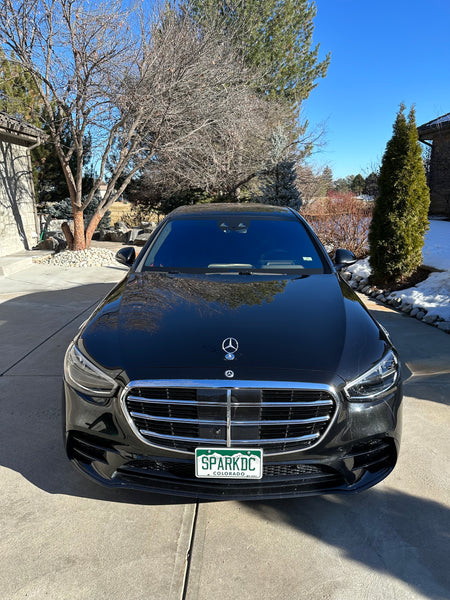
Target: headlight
375, 383
85, 377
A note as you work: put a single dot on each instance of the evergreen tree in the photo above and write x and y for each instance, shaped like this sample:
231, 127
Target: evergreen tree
280, 188
18, 94
342, 184
279, 178
19, 97
273, 35
399, 219
357, 184
371, 185
327, 178
63, 210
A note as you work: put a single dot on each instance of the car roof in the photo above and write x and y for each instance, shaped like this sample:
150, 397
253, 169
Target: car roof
216, 209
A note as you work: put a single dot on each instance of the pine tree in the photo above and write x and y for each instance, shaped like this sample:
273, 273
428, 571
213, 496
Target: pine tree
400, 218
275, 36
280, 188
327, 178
357, 184
371, 185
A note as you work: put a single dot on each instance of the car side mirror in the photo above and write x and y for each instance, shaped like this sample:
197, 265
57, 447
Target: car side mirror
126, 256
343, 258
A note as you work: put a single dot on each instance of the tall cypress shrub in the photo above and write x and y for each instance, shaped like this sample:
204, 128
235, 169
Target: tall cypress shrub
400, 216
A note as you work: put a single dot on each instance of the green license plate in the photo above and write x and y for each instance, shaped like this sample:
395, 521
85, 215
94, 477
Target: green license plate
236, 463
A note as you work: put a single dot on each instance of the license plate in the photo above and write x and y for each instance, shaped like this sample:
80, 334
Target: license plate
235, 463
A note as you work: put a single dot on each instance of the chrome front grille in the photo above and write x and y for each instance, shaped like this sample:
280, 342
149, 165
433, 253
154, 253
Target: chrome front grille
186, 414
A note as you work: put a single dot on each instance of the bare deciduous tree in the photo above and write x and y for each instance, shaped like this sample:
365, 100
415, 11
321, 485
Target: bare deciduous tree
148, 91
76, 57
217, 131
310, 182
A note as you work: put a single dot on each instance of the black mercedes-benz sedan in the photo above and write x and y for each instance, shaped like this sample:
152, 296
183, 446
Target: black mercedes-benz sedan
233, 361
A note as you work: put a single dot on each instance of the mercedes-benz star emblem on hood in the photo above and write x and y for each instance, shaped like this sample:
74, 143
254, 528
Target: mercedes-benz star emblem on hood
230, 346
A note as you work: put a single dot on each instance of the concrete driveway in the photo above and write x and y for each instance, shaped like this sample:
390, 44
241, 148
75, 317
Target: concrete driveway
64, 537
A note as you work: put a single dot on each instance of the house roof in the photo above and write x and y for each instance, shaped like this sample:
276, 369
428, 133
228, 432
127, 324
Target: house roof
429, 130
18, 131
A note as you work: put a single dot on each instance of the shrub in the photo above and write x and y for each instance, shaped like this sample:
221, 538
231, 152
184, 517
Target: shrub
137, 215
63, 210
400, 216
341, 221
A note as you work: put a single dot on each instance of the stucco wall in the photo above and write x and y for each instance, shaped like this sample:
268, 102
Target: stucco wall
17, 212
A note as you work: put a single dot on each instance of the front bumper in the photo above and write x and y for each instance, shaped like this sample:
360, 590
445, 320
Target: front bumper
358, 451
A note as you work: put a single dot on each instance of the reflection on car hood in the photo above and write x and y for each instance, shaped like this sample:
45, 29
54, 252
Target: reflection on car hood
156, 325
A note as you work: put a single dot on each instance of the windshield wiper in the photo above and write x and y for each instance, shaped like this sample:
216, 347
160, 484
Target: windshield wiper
262, 273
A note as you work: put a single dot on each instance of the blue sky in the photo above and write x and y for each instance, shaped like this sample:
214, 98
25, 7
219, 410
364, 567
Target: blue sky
382, 53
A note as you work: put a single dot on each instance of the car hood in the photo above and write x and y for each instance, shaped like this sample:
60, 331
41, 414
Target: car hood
302, 328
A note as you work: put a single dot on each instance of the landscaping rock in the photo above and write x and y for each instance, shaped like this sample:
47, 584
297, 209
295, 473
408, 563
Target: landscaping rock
62, 243
47, 244
55, 243
118, 236
94, 257
133, 233
429, 319
444, 326
420, 315
141, 239
121, 226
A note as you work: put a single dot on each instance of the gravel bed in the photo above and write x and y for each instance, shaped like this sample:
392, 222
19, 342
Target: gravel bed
94, 257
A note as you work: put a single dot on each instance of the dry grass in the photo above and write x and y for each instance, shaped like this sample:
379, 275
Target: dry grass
117, 210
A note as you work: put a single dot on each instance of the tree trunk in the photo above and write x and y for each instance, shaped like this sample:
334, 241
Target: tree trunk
67, 234
79, 241
90, 229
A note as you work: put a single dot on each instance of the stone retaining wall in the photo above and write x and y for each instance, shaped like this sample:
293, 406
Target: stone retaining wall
18, 221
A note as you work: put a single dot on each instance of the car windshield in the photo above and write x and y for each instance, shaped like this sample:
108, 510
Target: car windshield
234, 243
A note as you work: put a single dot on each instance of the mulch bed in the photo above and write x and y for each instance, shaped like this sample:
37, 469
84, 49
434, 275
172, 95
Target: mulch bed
407, 282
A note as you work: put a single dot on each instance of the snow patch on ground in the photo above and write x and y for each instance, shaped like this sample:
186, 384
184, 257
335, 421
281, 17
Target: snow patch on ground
433, 294
436, 251
361, 268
